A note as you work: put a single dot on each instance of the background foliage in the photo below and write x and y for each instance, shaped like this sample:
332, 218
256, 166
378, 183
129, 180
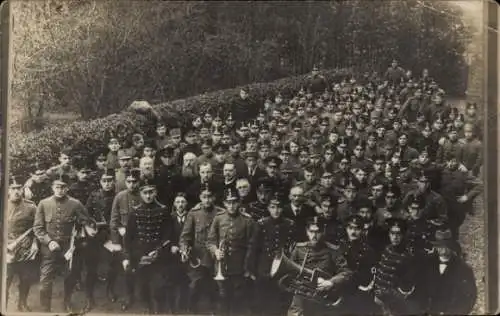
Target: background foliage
96, 57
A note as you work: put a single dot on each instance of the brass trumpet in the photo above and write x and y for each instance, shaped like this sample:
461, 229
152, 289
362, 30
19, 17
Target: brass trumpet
187, 257
219, 276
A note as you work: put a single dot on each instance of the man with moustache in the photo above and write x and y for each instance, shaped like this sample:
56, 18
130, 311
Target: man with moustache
258, 209
298, 211
147, 245
193, 241
22, 247
38, 186
55, 218
275, 235
125, 162
231, 240
99, 205
316, 253
123, 204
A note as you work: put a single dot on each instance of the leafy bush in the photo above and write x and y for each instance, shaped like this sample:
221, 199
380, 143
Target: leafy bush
86, 137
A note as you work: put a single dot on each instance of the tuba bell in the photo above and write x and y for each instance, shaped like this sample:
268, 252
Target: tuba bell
299, 280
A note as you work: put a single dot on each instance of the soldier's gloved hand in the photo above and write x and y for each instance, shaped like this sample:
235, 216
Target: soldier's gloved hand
462, 199
122, 231
125, 264
324, 285
174, 250
54, 246
219, 254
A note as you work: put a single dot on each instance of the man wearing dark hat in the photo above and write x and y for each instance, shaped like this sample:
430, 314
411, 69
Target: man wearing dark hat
148, 245
231, 240
448, 284
125, 162
259, 209
361, 260
472, 150
168, 175
99, 206
193, 240
435, 208
420, 231
252, 171
309, 185
22, 247
55, 218
395, 275
316, 253
459, 190
275, 234
350, 201
83, 186
273, 164
38, 186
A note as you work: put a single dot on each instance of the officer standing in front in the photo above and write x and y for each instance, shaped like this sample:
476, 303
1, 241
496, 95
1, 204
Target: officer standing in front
147, 245
21, 244
231, 240
55, 218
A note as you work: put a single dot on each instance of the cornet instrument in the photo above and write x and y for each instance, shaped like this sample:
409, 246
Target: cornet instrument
219, 276
187, 257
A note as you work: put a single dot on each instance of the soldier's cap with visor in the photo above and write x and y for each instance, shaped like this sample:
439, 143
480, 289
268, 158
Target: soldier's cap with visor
443, 238
276, 200
315, 223
14, 182
231, 194
124, 154
423, 177
396, 224
62, 179
416, 201
355, 220
109, 173
393, 190
81, 164
147, 185
101, 154
167, 151
471, 105
273, 160
133, 175
39, 169
250, 154
265, 186
174, 132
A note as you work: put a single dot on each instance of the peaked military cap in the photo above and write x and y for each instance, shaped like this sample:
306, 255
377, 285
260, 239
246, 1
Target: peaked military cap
176, 131
396, 223
39, 168
108, 174
393, 190
276, 200
124, 154
423, 176
443, 237
146, 184
273, 159
62, 179
315, 223
250, 154
355, 220
14, 182
134, 174
470, 105
231, 194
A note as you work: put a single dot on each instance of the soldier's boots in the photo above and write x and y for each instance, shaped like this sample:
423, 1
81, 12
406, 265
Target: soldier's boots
110, 293
45, 300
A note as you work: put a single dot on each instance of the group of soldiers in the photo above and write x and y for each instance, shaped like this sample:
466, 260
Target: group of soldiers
363, 184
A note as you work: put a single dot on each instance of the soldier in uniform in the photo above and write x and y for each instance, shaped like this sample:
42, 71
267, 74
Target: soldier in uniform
38, 187
55, 218
258, 209
83, 186
361, 260
125, 162
231, 240
274, 236
64, 167
193, 241
298, 211
168, 175
99, 206
22, 247
420, 230
395, 274
123, 204
319, 254
148, 244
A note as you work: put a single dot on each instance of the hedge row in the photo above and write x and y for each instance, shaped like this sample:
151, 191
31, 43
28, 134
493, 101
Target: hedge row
87, 137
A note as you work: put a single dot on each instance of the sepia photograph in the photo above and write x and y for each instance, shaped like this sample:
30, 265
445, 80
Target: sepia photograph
245, 158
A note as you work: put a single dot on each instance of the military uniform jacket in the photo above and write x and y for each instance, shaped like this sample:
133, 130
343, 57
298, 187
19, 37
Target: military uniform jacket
120, 180
81, 190
326, 257
20, 218
55, 218
99, 205
112, 160
238, 235
472, 154
273, 237
394, 272
420, 233
123, 204
168, 182
449, 150
456, 183
435, 206
361, 258
304, 213
195, 233
148, 227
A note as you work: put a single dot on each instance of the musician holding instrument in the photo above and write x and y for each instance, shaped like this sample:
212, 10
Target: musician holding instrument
231, 240
193, 244
22, 247
323, 275
147, 246
99, 206
275, 235
55, 223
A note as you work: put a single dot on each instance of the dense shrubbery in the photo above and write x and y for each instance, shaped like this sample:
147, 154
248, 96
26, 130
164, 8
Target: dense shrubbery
96, 57
88, 136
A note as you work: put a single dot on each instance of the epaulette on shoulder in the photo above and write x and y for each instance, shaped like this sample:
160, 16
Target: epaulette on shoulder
302, 244
332, 246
